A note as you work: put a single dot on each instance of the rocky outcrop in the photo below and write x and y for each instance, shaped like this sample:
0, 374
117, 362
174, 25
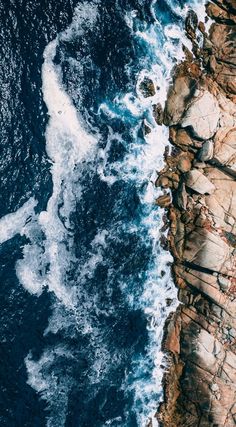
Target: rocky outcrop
200, 337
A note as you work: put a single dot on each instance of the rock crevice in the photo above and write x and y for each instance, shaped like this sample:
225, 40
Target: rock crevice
200, 337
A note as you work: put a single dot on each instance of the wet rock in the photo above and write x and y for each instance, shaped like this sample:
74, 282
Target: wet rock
158, 113
147, 87
198, 182
146, 129
164, 201
191, 24
164, 182
203, 116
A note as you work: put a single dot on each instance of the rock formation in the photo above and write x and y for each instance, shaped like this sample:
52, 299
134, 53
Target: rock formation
200, 337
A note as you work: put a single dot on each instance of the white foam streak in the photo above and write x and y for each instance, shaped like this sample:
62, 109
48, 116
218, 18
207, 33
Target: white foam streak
14, 223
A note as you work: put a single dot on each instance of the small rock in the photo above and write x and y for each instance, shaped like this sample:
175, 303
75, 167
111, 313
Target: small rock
164, 182
158, 113
164, 201
207, 151
184, 164
214, 387
182, 138
224, 283
147, 87
199, 183
182, 197
199, 165
146, 128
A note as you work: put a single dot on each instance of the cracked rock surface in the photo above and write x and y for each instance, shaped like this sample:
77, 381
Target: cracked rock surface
200, 337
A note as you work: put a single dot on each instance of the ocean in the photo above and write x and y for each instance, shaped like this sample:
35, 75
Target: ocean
86, 285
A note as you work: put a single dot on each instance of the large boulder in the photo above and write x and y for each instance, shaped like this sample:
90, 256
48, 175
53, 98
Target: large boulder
199, 182
203, 116
179, 96
208, 250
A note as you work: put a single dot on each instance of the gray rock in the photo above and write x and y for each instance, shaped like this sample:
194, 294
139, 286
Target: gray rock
182, 197
206, 152
224, 283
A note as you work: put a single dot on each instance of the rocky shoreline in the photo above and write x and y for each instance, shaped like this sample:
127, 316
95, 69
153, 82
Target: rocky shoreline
200, 337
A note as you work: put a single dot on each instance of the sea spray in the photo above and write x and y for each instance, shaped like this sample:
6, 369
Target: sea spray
96, 249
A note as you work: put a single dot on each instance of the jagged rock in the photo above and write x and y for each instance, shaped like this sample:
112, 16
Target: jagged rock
217, 213
203, 116
178, 98
191, 24
220, 14
198, 182
158, 113
147, 87
206, 152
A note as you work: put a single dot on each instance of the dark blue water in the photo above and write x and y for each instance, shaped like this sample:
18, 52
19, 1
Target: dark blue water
84, 281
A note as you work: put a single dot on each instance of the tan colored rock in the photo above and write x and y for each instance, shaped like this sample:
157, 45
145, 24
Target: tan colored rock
182, 138
203, 116
207, 249
200, 386
182, 90
222, 39
164, 201
225, 150
220, 14
184, 164
225, 190
198, 182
